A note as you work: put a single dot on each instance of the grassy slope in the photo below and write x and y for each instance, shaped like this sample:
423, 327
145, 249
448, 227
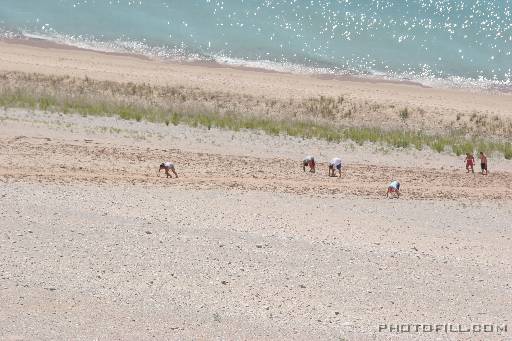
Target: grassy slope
98, 104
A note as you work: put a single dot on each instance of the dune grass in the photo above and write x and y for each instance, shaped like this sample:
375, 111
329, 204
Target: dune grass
97, 106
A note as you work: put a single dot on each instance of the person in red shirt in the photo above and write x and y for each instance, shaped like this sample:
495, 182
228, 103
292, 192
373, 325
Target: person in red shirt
470, 162
309, 161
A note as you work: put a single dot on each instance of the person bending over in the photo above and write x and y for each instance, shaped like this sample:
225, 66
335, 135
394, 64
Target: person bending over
168, 166
393, 187
335, 164
309, 161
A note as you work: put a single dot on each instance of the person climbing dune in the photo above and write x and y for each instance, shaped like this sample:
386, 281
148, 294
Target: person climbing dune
393, 187
335, 164
168, 166
309, 161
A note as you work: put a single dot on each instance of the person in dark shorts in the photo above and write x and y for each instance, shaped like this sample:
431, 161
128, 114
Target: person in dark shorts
167, 166
483, 163
309, 161
335, 164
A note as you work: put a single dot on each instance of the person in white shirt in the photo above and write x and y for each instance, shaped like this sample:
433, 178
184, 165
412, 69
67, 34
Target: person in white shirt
335, 164
168, 166
394, 187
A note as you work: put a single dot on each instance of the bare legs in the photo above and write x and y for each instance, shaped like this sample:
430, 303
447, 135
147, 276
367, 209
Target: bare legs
169, 174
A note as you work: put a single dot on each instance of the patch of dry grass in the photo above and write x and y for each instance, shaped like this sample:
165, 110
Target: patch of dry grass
324, 118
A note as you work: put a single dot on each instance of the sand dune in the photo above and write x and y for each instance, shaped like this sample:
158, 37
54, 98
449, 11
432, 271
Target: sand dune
244, 245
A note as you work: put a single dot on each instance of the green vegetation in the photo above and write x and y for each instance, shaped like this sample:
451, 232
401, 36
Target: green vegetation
404, 114
98, 106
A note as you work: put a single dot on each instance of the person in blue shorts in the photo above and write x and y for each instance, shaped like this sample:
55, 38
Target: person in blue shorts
335, 164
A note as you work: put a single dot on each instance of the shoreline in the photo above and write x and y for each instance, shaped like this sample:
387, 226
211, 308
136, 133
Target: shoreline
375, 79
43, 43
49, 44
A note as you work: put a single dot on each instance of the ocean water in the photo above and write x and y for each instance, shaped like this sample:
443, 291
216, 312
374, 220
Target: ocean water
452, 43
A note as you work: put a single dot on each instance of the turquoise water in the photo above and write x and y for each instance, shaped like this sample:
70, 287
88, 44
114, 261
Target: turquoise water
436, 42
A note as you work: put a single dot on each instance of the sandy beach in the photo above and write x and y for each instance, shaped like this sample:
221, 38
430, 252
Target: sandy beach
244, 244
366, 102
